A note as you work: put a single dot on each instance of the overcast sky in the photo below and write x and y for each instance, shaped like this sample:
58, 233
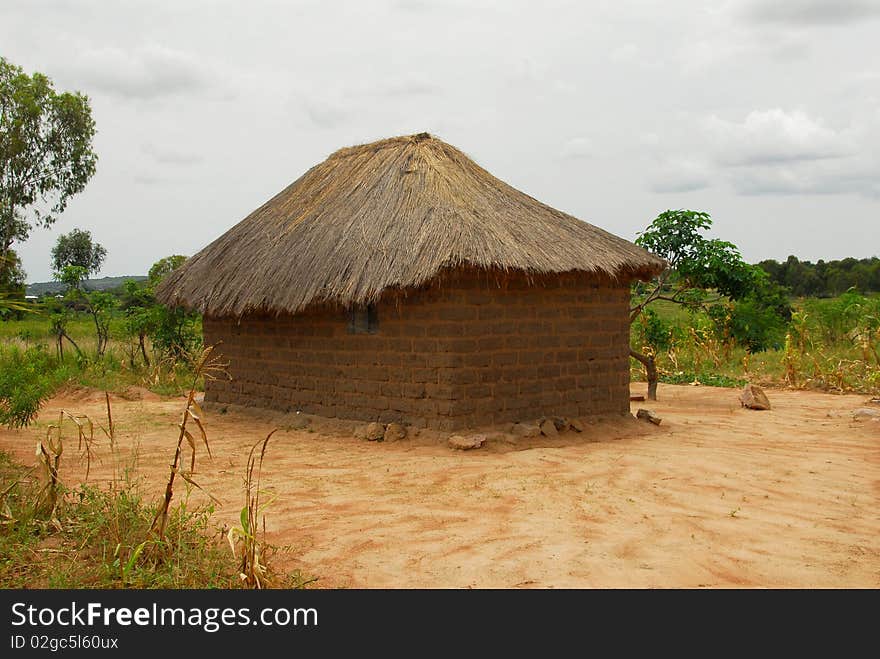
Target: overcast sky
764, 113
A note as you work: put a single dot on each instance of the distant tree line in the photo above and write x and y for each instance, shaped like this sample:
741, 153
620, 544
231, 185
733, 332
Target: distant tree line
824, 278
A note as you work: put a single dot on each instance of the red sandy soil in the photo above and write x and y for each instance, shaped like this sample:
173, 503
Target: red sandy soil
716, 496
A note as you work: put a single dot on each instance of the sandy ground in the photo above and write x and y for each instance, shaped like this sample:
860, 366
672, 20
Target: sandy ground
716, 496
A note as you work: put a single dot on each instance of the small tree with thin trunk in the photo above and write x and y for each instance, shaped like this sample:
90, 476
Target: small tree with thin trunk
701, 271
79, 249
74, 258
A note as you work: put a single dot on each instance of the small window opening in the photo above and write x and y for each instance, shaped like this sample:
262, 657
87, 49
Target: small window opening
363, 319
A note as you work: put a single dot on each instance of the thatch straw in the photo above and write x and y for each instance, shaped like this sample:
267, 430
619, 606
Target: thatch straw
391, 214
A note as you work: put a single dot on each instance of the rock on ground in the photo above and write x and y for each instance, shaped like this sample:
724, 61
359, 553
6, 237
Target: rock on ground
865, 413
561, 423
577, 425
648, 415
141, 393
466, 443
299, 422
548, 428
373, 432
394, 432
753, 397
524, 430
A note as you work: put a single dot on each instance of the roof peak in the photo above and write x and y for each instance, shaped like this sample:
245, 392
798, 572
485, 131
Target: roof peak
386, 143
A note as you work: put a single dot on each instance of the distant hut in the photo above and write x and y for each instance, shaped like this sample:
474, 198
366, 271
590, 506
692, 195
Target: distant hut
399, 280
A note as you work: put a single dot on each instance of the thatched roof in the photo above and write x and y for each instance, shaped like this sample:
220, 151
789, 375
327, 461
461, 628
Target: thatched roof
391, 214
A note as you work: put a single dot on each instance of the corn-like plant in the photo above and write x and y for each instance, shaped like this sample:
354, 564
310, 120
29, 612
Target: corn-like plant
210, 368
253, 565
49, 455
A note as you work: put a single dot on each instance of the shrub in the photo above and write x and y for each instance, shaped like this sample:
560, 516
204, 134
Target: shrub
27, 378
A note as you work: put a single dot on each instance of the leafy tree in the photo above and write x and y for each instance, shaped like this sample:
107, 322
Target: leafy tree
175, 332
58, 329
46, 153
702, 272
163, 267
172, 332
141, 315
78, 249
98, 304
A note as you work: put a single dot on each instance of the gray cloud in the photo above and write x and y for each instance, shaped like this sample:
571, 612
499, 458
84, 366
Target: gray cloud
331, 107
799, 181
681, 174
146, 72
171, 156
401, 87
810, 12
150, 179
326, 113
577, 147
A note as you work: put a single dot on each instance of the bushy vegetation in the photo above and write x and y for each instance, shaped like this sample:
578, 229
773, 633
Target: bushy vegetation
27, 378
714, 319
825, 278
704, 275
829, 344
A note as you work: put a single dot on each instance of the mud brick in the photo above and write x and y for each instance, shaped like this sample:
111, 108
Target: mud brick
484, 346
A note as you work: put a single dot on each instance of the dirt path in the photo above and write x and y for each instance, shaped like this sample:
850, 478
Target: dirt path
717, 496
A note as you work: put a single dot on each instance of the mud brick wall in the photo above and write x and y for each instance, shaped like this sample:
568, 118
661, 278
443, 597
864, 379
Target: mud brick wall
470, 349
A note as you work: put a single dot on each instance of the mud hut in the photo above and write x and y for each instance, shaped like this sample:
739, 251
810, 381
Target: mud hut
399, 280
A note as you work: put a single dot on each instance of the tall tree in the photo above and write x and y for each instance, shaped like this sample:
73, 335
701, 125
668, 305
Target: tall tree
77, 248
46, 153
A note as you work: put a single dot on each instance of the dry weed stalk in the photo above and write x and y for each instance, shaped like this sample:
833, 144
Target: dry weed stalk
210, 368
49, 454
253, 569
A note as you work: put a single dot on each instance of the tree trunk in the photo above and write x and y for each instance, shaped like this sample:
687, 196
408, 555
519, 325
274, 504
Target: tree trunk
72, 342
650, 365
143, 350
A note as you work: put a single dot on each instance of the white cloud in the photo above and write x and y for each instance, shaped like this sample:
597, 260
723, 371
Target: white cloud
773, 136
773, 152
